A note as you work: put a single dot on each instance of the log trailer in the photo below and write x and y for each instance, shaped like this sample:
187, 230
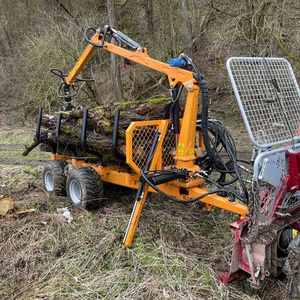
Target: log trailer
177, 157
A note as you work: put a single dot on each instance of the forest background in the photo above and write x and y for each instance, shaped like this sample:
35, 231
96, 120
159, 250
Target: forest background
36, 35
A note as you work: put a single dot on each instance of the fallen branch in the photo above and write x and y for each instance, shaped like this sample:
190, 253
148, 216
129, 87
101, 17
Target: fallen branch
30, 147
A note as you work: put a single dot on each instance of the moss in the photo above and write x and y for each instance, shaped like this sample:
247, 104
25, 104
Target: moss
133, 116
89, 143
152, 102
68, 130
97, 108
109, 157
149, 102
73, 113
123, 106
122, 134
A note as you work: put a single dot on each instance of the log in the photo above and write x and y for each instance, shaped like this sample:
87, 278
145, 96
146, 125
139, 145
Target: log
99, 127
70, 145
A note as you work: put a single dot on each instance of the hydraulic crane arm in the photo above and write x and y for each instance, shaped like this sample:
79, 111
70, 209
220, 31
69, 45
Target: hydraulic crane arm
139, 55
177, 76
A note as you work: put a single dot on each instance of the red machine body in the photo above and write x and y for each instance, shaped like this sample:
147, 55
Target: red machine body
256, 248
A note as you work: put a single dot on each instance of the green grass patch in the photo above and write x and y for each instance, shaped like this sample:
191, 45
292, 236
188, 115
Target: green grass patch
35, 155
17, 137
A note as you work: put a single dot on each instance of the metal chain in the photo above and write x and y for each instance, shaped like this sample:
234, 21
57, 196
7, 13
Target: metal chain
254, 204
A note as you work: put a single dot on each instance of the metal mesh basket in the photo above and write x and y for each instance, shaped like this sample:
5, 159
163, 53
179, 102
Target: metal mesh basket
142, 140
168, 148
269, 98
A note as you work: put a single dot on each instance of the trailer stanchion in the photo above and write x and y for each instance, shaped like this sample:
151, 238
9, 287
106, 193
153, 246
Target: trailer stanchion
58, 125
115, 133
39, 122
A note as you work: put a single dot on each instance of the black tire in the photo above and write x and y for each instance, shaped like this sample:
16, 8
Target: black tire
84, 188
54, 178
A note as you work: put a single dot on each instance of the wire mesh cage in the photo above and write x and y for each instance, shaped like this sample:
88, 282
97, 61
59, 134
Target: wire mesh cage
141, 137
142, 140
269, 98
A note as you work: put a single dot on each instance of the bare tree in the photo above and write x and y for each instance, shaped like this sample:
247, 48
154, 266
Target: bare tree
4, 40
149, 14
187, 28
114, 62
277, 24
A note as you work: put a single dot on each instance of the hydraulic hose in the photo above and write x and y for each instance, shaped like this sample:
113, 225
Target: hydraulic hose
159, 191
205, 133
217, 162
219, 190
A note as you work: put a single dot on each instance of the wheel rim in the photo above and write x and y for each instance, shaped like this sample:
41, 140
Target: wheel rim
49, 181
75, 191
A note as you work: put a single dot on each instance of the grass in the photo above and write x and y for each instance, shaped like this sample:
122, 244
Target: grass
35, 155
14, 136
12, 144
178, 251
84, 260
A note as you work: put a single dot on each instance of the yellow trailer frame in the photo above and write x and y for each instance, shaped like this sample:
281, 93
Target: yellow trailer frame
184, 151
118, 175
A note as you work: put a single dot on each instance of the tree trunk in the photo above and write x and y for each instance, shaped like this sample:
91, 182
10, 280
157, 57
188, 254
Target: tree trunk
4, 41
187, 28
114, 61
149, 15
277, 19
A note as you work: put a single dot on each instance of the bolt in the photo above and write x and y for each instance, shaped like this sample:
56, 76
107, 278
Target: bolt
171, 84
189, 87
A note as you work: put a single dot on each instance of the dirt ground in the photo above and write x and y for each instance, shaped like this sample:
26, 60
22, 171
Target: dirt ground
178, 251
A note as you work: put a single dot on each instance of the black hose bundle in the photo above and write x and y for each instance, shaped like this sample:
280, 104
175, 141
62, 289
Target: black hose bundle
222, 137
213, 159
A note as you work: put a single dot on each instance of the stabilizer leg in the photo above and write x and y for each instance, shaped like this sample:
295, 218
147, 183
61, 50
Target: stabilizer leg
141, 195
136, 212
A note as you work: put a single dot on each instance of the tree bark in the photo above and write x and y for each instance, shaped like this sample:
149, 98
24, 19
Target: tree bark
114, 61
277, 19
4, 41
187, 28
149, 15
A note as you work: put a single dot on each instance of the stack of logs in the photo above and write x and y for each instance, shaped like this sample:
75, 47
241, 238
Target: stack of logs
99, 127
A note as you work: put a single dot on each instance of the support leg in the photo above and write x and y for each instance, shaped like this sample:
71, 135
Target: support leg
134, 219
140, 195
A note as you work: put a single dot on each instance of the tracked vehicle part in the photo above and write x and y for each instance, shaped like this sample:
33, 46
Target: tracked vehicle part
54, 178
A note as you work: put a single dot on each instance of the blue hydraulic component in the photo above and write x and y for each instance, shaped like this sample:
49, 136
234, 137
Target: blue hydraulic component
177, 62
